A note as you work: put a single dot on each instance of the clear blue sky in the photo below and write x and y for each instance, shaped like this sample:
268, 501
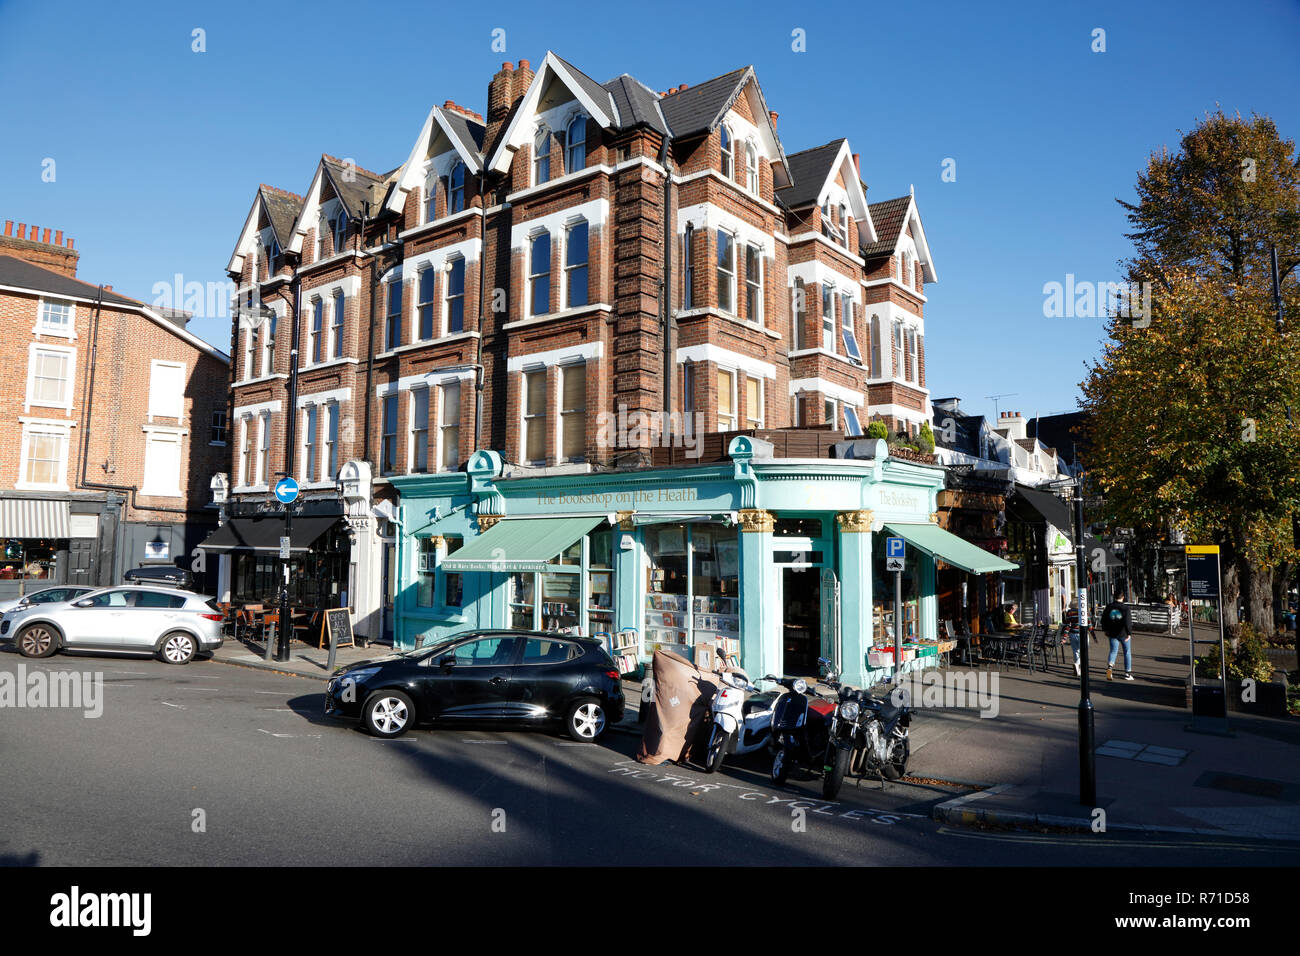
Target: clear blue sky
158, 149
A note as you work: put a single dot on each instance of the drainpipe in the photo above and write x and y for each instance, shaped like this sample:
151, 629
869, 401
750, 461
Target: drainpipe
482, 312
370, 340
666, 283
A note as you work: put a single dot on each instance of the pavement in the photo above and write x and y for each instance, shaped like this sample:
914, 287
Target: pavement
1019, 769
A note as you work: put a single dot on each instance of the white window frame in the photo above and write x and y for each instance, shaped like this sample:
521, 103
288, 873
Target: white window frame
268, 343
331, 442
758, 298
447, 296
719, 272
310, 444
262, 477
751, 167
566, 268
453, 189
856, 422
245, 449
340, 229
250, 341
569, 166
543, 137
831, 411
430, 203
828, 321
565, 370
727, 152
225, 428
40, 328
735, 416
412, 431
35, 427
848, 334
338, 312
762, 404
154, 365
533, 276
421, 303
70, 354
316, 336
530, 420
171, 486
444, 425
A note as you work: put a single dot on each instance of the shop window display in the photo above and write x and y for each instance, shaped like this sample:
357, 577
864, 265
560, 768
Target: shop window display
692, 589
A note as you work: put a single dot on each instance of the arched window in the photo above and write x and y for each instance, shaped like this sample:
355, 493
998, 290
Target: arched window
728, 160
542, 157
431, 197
456, 189
576, 139
751, 167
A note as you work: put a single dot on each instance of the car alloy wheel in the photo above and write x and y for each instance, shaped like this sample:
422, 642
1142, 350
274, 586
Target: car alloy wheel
388, 713
586, 720
36, 641
178, 648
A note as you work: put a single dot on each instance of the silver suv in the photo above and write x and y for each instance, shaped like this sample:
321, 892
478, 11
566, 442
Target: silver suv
174, 625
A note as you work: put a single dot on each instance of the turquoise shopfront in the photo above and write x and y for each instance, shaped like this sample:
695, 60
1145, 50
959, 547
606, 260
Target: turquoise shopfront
774, 562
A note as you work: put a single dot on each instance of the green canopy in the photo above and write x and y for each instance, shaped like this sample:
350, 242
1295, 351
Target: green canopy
523, 544
946, 546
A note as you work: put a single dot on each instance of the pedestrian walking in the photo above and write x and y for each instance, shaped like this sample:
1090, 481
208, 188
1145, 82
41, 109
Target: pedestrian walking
1116, 624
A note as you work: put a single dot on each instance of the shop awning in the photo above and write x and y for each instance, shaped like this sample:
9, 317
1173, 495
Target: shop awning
262, 533
523, 544
946, 546
33, 518
1052, 509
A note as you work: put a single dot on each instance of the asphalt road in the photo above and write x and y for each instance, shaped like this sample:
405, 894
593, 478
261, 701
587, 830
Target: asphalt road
212, 765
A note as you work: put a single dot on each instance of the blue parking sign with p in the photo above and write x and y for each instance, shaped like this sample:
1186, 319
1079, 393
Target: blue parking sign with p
893, 547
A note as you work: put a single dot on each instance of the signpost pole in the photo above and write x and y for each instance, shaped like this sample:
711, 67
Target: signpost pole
1087, 725
1209, 709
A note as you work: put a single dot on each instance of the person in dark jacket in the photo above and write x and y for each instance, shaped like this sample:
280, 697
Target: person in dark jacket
1116, 623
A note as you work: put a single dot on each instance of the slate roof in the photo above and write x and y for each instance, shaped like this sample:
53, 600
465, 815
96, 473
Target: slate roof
589, 86
887, 216
355, 186
282, 208
695, 109
637, 105
809, 170
21, 274
467, 131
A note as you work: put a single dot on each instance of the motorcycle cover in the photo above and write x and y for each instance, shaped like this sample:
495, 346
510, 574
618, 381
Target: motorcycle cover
683, 695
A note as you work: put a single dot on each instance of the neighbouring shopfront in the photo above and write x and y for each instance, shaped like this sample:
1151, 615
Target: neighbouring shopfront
769, 562
318, 559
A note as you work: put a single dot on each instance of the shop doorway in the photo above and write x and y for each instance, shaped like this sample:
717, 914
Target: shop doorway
801, 606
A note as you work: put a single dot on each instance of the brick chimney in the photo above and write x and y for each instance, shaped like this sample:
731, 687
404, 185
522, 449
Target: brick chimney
57, 255
506, 89
1014, 423
773, 114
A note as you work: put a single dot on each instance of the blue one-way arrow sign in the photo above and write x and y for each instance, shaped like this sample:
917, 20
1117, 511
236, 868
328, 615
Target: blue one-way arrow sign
286, 489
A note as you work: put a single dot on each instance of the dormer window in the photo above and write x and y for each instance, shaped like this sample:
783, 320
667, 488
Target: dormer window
456, 189
728, 157
431, 197
321, 227
542, 157
273, 257
576, 151
340, 231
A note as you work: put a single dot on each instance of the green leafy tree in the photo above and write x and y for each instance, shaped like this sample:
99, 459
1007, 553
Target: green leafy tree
925, 440
877, 430
1195, 409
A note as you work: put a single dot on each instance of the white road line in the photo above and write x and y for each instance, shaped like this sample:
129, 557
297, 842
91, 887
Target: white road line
269, 734
502, 742
205, 677
177, 706
278, 710
273, 693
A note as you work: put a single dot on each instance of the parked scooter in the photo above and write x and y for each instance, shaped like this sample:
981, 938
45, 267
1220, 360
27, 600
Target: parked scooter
736, 724
800, 728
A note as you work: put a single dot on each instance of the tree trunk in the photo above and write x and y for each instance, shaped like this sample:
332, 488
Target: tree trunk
1260, 591
1231, 595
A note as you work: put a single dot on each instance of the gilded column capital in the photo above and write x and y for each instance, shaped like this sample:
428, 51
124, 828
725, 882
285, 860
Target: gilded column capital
934, 517
625, 521
437, 541
487, 522
756, 519
855, 522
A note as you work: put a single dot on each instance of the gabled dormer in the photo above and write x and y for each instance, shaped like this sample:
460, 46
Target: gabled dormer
268, 228
439, 173
556, 124
901, 239
336, 203
827, 197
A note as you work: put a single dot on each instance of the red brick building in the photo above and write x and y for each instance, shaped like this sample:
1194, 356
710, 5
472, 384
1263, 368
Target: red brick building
117, 420
524, 277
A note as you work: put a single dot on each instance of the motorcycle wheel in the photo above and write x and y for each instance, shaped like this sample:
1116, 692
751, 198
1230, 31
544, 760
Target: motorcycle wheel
719, 743
780, 766
835, 776
896, 765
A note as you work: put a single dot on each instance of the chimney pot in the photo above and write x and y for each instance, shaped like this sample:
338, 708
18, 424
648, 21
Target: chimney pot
772, 115
682, 88
9, 227
508, 67
22, 230
46, 238
524, 65
69, 242
448, 105
58, 237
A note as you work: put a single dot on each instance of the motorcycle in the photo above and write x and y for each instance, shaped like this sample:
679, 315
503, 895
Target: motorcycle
736, 724
800, 728
869, 737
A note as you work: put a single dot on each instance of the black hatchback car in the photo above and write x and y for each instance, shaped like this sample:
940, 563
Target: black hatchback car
524, 677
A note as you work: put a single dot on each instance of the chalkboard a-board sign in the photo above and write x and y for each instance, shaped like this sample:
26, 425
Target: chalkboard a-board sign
338, 625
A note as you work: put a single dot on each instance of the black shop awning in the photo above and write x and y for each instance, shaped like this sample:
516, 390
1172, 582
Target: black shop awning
263, 534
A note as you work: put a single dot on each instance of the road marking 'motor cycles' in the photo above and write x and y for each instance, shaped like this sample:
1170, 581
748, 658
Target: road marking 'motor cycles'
830, 808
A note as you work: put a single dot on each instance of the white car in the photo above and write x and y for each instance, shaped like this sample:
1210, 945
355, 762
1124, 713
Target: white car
174, 625
60, 592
